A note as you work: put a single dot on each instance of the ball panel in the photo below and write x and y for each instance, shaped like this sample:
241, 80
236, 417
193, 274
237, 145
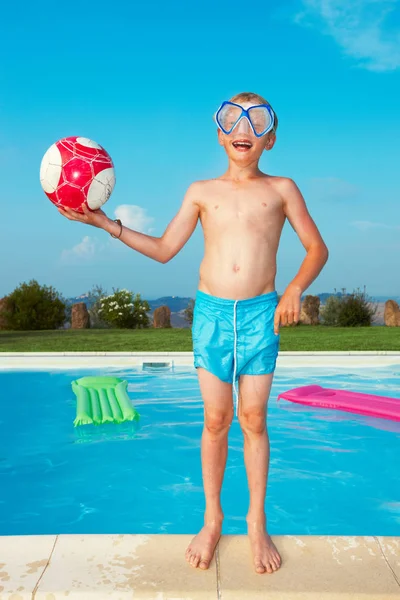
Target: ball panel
50, 169
86, 142
71, 196
77, 171
101, 188
101, 163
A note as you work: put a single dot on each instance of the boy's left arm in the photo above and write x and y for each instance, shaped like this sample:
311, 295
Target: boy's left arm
295, 209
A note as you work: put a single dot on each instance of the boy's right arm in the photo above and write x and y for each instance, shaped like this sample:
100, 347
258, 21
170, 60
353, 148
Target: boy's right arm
161, 249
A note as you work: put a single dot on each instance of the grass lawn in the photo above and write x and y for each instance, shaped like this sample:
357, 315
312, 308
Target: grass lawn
302, 337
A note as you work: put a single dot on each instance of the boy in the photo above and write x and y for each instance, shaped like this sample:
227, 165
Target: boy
236, 316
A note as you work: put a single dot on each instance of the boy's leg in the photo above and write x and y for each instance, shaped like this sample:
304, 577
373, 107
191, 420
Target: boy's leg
218, 414
254, 392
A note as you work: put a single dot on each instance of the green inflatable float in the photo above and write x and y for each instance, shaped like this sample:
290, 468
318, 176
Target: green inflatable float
102, 400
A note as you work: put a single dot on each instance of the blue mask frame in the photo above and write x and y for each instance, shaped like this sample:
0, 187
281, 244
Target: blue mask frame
245, 113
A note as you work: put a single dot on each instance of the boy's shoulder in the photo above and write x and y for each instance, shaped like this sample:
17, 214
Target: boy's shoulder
281, 181
199, 189
285, 186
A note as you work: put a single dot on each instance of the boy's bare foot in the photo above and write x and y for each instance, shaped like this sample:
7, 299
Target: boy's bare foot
201, 549
266, 556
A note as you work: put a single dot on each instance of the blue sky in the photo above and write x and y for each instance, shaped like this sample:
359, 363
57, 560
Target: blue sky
144, 80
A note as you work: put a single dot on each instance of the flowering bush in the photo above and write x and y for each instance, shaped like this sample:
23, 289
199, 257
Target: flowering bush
124, 310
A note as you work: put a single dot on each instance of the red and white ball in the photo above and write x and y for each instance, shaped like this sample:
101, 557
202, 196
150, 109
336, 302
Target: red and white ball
75, 170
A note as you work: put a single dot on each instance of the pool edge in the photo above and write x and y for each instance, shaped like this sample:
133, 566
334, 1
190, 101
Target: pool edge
70, 360
154, 567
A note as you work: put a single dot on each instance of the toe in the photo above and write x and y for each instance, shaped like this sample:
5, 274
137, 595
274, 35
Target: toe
196, 560
268, 567
259, 566
204, 563
277, 562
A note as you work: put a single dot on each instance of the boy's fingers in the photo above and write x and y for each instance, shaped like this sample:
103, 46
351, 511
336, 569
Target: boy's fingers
276, 323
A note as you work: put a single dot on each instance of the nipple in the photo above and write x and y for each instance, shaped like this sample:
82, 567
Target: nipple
236, 268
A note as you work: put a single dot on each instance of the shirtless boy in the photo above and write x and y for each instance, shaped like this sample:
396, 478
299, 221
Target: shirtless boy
236, 316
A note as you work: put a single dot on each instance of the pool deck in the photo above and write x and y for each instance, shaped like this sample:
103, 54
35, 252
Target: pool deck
153, 567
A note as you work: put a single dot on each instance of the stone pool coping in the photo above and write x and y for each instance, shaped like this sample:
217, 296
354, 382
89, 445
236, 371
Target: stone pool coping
67, 360
153, 567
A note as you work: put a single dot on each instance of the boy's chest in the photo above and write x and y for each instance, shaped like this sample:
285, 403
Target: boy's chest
256, 209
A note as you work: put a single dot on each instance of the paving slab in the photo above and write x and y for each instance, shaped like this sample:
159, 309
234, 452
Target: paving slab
314, 567
117, 567
23, 560
391, 550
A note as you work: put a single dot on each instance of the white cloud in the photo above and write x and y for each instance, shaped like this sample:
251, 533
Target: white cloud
134, 217
362, 28
368, 225
83, 251
332, 188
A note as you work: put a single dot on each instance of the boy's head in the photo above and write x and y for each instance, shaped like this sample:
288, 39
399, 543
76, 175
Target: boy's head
245, 136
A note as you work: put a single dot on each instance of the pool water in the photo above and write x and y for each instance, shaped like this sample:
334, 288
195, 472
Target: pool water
331, 472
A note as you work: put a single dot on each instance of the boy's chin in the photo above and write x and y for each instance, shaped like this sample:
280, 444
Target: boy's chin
245, 156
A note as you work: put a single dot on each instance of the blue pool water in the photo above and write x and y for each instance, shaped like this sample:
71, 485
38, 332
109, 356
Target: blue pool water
331, 472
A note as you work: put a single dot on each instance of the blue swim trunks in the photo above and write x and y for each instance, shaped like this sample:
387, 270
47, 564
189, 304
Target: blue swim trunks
235, 337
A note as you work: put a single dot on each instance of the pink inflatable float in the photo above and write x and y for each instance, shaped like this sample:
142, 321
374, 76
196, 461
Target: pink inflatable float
354, 402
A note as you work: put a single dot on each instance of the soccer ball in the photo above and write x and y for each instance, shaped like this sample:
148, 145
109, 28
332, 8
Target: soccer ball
75, 170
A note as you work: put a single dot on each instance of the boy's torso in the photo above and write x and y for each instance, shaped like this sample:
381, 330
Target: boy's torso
242, 224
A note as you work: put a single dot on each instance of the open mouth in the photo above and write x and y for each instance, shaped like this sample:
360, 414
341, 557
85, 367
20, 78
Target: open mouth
242, 145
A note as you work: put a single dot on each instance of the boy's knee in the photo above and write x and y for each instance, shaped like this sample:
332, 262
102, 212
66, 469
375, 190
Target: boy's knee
218, 421
253, 420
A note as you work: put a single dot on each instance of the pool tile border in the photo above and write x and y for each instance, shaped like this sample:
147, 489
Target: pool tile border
152, 567
71, 360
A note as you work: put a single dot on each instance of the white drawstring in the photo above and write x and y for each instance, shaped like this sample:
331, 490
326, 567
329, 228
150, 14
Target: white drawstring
234, 359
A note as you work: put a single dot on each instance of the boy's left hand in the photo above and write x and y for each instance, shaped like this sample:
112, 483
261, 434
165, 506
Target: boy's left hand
288, 310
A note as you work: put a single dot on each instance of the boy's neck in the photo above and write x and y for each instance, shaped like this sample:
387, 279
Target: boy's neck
237, 172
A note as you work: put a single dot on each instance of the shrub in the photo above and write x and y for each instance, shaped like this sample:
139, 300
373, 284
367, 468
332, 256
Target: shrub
124, 310
188, 312
348, 310
34, 307
356, 310
330, 312
95, 297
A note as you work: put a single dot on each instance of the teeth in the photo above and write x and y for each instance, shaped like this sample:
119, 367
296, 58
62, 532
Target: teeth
245, 144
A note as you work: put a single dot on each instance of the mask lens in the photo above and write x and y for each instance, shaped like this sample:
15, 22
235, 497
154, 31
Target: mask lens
261, 119
228, 116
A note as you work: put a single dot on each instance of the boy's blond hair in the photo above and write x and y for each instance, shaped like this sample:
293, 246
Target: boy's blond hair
251, 97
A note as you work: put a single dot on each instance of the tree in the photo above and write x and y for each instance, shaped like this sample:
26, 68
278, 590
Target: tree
34, 307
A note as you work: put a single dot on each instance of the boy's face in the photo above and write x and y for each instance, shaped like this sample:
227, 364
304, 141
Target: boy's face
241, 145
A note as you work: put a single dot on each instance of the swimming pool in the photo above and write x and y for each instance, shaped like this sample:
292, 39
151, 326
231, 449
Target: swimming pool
331, 473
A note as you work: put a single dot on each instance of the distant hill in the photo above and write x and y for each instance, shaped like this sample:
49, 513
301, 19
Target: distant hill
178, 304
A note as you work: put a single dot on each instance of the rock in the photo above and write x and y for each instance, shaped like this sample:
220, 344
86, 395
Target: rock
309, 313
3, 305
80, 318
162, 317
392, 314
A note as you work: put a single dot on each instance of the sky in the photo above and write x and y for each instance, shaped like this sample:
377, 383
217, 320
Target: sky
144, 80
